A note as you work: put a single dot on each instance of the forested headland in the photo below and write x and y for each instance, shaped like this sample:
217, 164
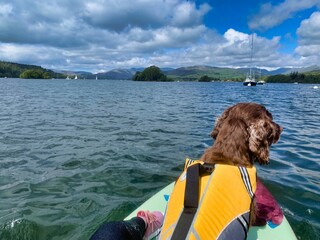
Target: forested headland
16, 70
152, 73
295, 77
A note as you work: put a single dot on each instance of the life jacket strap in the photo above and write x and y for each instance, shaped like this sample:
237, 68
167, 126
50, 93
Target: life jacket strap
246, 180
191, 198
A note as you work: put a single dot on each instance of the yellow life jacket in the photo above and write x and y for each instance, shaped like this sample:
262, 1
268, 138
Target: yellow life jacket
224, 198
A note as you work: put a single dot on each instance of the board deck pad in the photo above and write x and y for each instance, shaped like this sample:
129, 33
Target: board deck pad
283, 231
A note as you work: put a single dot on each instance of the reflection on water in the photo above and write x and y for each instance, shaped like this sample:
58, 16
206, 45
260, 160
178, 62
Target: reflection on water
77, 153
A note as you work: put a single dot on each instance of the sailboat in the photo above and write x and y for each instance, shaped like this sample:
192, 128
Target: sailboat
260, 82
250, 79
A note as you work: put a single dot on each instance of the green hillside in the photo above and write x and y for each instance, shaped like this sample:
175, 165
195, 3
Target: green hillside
295, 77
193, 73
217, 74
16, 70
207, 73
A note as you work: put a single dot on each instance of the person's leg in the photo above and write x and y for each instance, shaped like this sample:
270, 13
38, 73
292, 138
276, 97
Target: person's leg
134, 229
153, 221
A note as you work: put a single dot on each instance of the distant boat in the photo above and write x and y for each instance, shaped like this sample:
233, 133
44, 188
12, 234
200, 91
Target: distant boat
96, 77
260, 82
250, 79
76, 77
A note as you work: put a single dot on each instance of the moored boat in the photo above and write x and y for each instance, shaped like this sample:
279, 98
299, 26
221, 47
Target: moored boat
250, 79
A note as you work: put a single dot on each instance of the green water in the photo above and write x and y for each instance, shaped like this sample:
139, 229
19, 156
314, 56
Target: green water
74, 154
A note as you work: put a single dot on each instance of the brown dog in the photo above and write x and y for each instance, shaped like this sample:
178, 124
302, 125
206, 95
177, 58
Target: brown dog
243, 135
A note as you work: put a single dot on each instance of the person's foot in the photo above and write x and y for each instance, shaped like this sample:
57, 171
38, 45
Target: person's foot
153, 221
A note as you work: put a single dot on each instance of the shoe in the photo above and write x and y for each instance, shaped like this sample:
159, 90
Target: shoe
153, 221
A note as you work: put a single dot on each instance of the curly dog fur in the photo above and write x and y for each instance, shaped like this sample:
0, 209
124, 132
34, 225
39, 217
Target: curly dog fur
243, 135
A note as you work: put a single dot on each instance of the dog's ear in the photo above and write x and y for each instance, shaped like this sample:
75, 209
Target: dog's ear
258, 141
262, 134
275, 132
219, 122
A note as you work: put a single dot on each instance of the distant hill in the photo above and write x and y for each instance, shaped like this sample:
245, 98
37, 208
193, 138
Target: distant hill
73, 74
280, 71
304, 70
191, 73
15, 70
114, 74
123, 74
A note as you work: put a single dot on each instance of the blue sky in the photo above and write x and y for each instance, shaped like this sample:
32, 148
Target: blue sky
99, 35
244, 11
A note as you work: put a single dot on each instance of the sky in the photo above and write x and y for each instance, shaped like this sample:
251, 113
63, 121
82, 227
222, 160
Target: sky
100, 35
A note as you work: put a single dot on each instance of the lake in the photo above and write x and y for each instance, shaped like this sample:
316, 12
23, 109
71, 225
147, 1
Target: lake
74, 154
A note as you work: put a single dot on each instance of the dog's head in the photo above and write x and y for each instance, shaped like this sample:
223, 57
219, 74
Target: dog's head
249, 127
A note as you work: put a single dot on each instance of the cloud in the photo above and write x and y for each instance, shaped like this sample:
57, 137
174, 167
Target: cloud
309, 30
186, 14
31, 55
98, 29
273, 15
99, 35
123, 15
164, 38
230, 50
39, 22
236, 50
309, 39
70, 24
5, 10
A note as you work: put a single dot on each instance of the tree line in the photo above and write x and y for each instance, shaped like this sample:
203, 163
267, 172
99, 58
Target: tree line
16, 70
152, 73
295, 77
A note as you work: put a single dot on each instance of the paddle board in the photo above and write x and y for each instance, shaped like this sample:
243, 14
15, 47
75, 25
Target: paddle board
158, 202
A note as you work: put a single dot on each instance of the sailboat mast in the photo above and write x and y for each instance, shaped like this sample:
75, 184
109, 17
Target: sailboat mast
251, 55
250, 79
251, 48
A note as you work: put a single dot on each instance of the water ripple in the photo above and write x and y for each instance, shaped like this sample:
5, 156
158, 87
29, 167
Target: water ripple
76, 153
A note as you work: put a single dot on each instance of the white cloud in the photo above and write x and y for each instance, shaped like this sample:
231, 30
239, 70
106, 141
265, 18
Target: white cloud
164, 38
230, 50
236, 50
272, 15
309, 30
123, 15
30, 54
186, 14
77, 23
309, 40
5, 10
100, 30
100, 35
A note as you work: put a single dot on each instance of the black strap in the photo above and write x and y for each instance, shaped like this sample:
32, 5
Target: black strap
191, 199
